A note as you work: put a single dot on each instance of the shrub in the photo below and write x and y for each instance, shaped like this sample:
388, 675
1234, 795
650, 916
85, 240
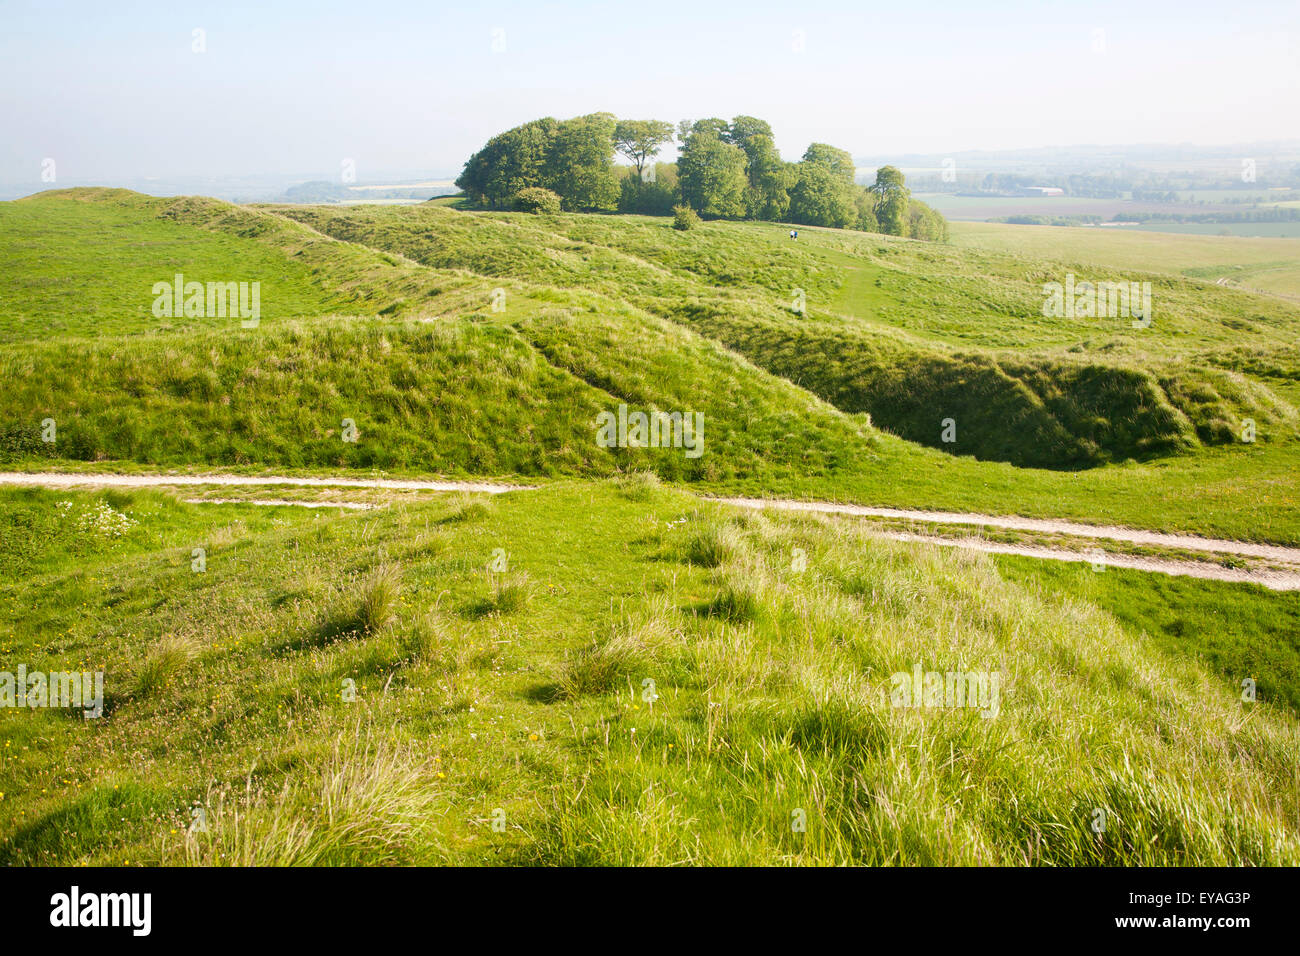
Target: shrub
537, 200
684, 217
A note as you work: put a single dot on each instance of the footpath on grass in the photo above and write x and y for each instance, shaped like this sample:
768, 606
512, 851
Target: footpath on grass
1280, 571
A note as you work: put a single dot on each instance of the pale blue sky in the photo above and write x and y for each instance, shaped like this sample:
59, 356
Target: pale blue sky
113, 89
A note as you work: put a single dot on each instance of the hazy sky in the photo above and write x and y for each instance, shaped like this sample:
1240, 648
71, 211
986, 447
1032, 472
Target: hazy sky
114, 89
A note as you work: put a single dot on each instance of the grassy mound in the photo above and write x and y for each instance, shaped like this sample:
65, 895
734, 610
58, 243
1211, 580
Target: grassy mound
112, 246
878, 325
1035, 412
463, 398
590, 312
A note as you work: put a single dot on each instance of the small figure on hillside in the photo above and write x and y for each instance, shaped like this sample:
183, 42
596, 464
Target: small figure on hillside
794, 234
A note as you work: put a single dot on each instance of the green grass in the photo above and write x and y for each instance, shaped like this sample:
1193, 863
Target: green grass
647, 678
638, 708
884, 320
111, 248
601, 311
83, 263
1240, 631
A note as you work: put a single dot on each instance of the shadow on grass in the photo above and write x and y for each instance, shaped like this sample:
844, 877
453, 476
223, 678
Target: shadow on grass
90, 823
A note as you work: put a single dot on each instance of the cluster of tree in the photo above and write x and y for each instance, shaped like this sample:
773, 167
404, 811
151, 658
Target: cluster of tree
724, 170
1154, 195
572, 158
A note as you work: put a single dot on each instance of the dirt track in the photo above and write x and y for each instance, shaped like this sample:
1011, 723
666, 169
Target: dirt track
1283, 578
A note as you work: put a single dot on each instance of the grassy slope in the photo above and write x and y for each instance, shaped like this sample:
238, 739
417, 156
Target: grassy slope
1240, 631
607, 309
513, 395
732, 281
519, 696
911, 302
86, 265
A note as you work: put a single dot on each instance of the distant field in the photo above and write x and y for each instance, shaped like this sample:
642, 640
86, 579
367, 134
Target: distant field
980, 208
1267, 196
1269, 265
1261, 230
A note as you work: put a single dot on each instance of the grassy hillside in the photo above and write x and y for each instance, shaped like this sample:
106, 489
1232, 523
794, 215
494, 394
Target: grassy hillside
463, 398
1236, 630
393, 325
649, 677
510, 716
84, 264
889, 325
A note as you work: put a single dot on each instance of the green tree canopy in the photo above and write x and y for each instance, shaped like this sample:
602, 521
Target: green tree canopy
509, 162
770, 179
821, 198
924, 222
891, 197
641, 140
743, 128
725, 170
580, 163
712, 173
711, 126
838, 161
655, 198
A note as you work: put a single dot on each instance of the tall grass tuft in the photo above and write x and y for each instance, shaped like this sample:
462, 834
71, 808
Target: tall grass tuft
510, 594
364, 607
468, 508
736, 603
369, 803
167, 659
629, 651
713, 545
637, 485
